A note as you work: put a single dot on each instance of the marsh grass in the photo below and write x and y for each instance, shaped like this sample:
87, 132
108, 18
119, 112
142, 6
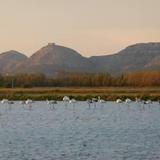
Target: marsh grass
107, 93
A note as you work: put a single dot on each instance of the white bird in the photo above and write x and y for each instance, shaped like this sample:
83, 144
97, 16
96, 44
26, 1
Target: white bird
148, 102
29, 102
119, 101
4, 101
51, 103
73, 101
138, 100
94, 99
66, 99
128, 100
101, 100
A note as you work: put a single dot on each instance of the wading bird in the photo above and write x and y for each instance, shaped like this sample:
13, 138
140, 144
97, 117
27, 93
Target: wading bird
101, 101
29, 102
4, 101
89, 101
51, 103
148, 102
128, 100
94, 101
119, 101
66, 99
73, 101
10, 103
138, 100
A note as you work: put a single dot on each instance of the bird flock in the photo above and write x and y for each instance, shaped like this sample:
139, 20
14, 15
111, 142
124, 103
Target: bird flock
93, 102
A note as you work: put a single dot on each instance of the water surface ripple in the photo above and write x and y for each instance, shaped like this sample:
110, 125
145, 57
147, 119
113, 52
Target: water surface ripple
109, 132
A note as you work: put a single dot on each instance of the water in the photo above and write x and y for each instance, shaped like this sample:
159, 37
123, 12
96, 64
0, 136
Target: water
109, 132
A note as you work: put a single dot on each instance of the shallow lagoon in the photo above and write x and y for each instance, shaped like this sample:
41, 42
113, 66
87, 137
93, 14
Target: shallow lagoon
108, 132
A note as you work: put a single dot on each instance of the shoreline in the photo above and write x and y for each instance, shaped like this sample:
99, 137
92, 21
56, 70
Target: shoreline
81, 93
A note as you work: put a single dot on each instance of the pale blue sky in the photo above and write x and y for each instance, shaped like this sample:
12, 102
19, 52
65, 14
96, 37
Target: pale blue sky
91, 27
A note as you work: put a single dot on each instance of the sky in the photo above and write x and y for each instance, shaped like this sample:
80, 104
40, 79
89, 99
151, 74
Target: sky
92, 27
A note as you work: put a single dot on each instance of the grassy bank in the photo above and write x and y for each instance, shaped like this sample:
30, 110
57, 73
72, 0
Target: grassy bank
108, 93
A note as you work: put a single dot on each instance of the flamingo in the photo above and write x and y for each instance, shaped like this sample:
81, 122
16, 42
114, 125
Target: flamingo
138, 100
148, 102
73, 101
101, 101
4, 101
52, 103
22, 103
119, 101
10, 103
94, 100
89, 101
128, 100
29, 102
66, 99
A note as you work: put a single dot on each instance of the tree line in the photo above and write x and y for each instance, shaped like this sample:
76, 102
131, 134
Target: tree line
63, 79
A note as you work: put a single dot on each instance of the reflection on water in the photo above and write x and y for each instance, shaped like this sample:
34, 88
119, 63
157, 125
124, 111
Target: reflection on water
112, 131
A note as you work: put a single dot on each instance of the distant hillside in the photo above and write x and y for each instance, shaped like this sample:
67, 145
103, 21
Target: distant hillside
54, 58
8, 61
143, 56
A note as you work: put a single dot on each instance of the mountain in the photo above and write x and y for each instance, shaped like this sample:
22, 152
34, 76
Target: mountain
8, 61
138, 57
53, 58
154, 64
